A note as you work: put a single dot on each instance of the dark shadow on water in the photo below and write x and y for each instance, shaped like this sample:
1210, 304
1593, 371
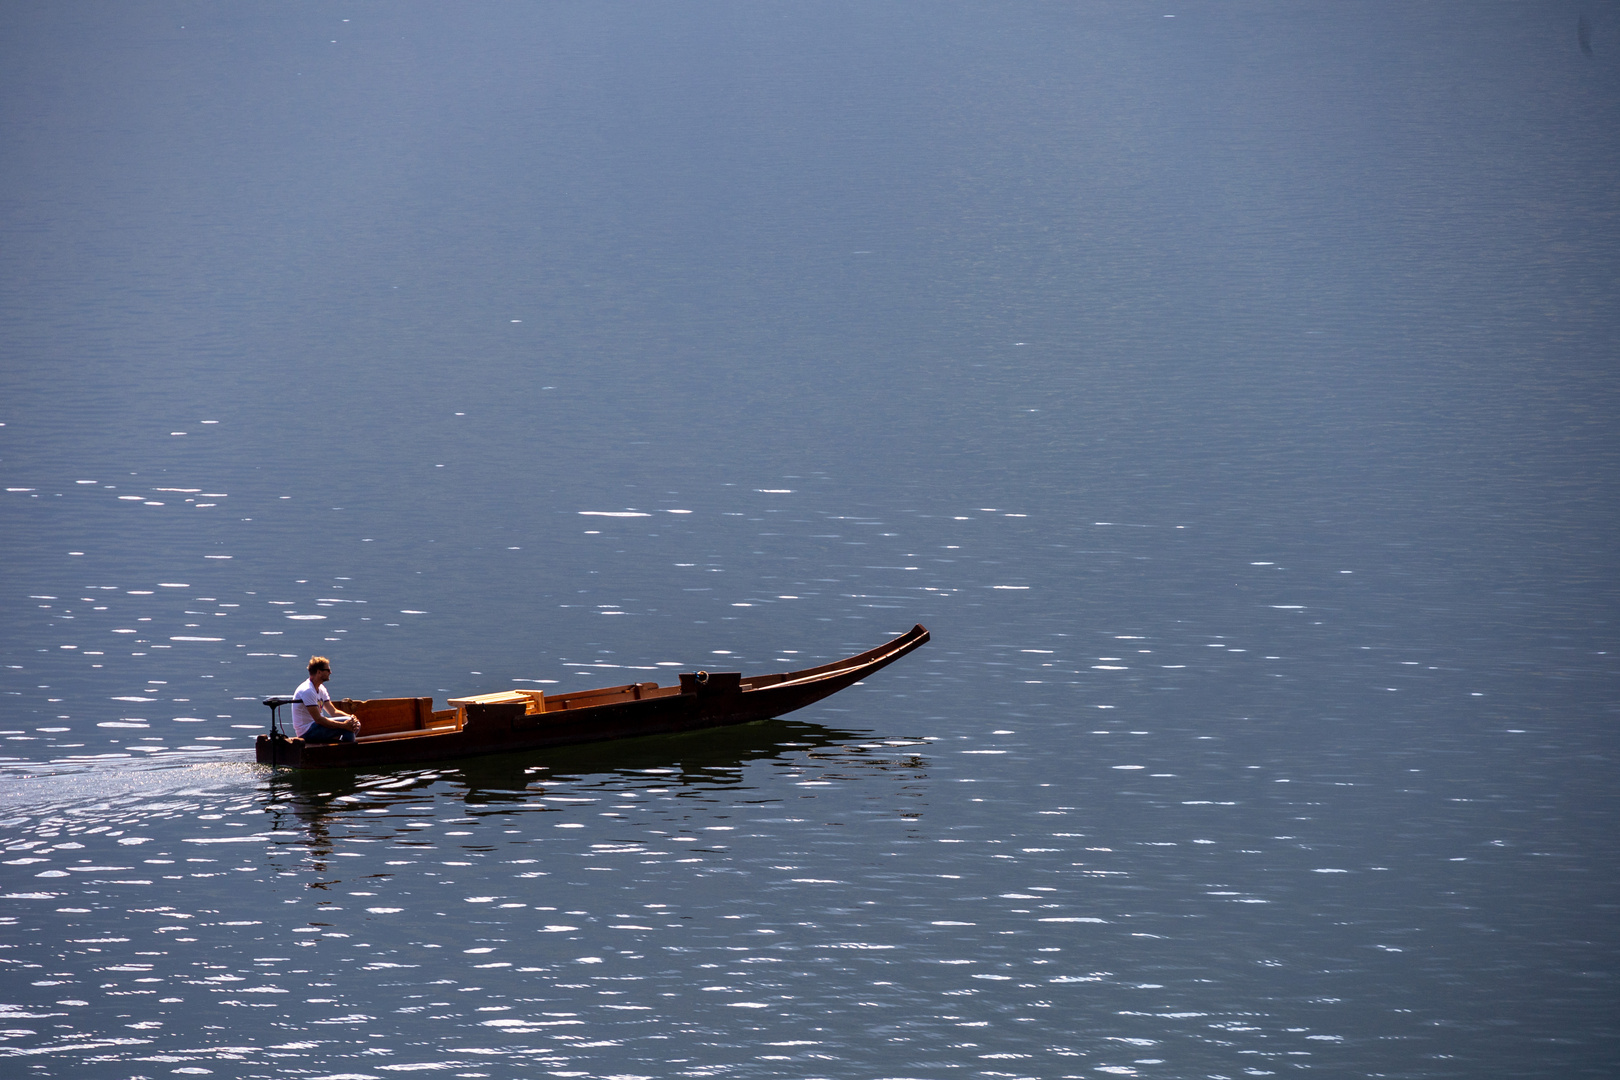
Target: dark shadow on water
713, 757
708, 759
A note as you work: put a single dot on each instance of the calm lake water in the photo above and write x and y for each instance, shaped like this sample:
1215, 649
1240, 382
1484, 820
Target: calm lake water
1229, 388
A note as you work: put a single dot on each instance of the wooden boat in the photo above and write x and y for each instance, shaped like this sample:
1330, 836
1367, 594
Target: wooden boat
399, 731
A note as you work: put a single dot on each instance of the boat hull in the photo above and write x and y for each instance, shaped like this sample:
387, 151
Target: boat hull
497, 726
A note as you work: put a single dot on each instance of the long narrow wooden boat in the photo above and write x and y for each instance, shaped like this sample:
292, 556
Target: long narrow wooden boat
400, 731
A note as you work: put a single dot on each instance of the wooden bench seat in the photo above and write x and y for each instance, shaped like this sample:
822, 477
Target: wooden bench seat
390, 736
382, 716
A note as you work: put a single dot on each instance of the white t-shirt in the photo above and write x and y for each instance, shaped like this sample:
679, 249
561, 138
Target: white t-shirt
308, 698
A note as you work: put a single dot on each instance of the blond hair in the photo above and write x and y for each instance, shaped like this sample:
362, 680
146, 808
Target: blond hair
319, 663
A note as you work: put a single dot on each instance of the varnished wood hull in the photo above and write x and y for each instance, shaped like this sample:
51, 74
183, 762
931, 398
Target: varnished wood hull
498, 727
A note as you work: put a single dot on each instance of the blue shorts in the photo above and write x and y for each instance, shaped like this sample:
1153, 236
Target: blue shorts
320, 733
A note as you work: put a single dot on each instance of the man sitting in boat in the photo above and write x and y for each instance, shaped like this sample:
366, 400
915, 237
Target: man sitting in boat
314, 718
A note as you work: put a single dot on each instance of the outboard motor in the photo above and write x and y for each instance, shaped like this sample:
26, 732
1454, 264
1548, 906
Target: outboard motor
277, 736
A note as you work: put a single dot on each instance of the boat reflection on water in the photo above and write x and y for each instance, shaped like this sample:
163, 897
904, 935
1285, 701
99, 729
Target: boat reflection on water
703, 761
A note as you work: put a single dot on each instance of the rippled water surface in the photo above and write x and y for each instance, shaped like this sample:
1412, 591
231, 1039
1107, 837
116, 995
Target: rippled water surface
1230, 391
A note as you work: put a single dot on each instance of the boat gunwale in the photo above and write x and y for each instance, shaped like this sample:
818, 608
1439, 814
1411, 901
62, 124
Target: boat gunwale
899, 646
